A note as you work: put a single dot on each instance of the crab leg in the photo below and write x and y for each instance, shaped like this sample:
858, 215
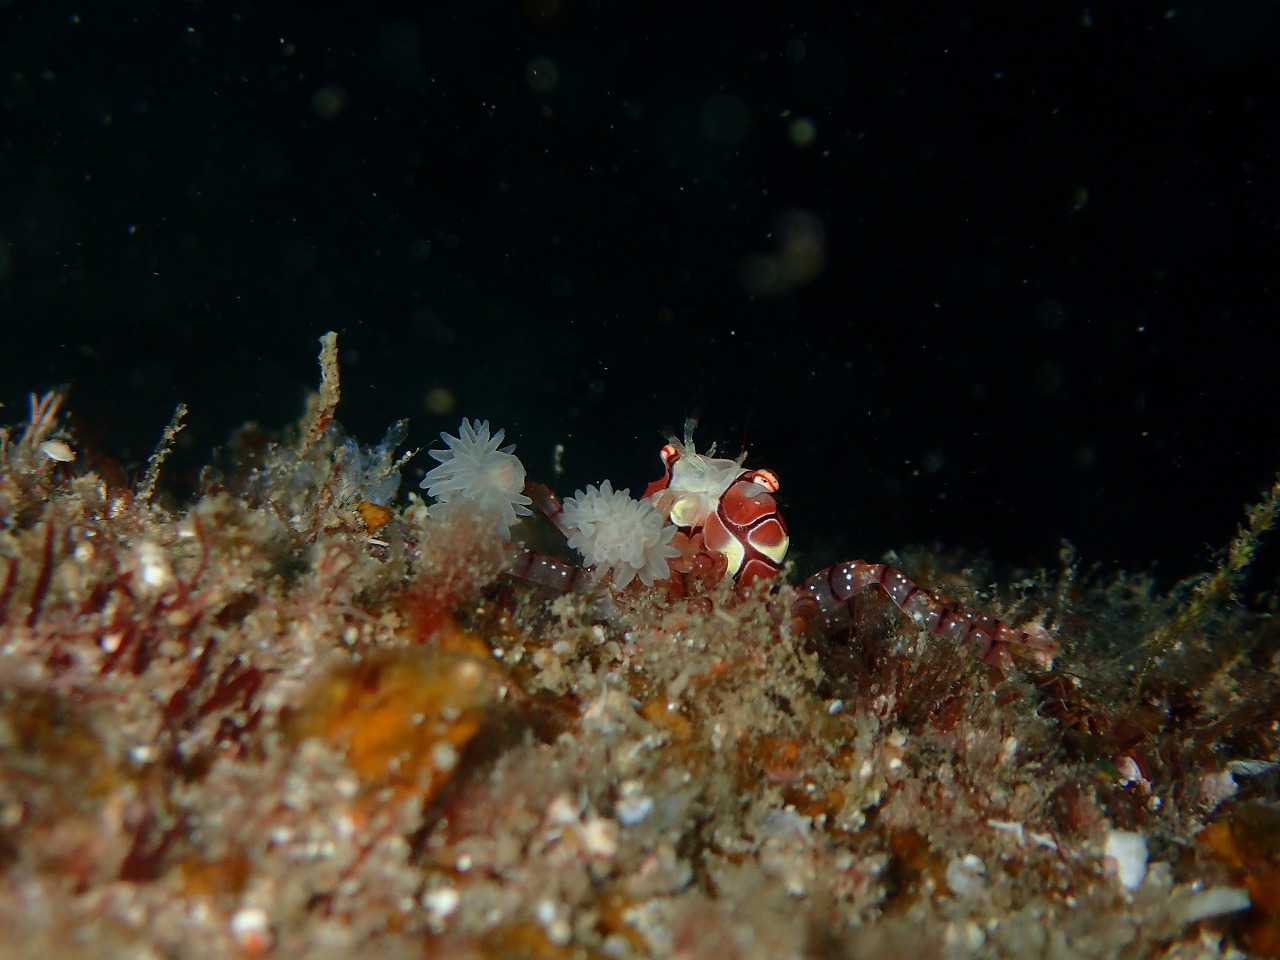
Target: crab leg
549, 504
833, 589
555, 575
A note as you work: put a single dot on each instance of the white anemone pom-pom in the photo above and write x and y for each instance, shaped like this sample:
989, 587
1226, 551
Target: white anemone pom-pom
480, 474
616, 534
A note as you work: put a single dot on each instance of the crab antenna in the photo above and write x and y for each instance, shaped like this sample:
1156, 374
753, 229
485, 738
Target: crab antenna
690, 424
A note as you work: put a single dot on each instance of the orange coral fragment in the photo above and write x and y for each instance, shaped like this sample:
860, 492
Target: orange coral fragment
526, 941
613, 920
216, 879
403, 715
372, 515
660, 713
1248, 841
915, 870
781, 759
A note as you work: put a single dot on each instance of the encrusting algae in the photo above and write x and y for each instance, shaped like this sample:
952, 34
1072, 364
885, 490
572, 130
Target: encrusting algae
297, 718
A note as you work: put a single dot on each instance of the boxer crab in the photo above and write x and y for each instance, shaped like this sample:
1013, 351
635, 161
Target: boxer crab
705, 519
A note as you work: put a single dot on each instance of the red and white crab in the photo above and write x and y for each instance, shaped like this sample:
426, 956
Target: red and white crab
726, 514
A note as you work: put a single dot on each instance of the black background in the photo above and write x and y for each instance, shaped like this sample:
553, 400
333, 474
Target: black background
1046, 306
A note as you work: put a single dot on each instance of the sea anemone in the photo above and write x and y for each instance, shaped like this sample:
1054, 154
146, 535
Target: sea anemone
478, 474
618, 535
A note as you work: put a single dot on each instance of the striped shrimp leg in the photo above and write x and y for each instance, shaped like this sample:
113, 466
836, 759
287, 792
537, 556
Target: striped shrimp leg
833, 589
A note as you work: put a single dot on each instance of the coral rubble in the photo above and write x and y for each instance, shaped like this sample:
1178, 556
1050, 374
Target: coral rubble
285, 719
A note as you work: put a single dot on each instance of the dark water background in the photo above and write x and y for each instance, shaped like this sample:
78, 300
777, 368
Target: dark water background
960, 275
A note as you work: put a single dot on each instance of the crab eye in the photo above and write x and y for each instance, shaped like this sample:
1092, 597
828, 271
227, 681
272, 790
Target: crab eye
765, 478
669, 455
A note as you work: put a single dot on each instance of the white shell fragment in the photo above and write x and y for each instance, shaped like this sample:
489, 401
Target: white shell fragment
1213, 902
633, 806
251, 930
1128, 850
153, 567
440, 903
1250, 768
965, 876
58, 450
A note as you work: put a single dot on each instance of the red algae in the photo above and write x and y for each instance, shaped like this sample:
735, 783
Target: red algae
286, 720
